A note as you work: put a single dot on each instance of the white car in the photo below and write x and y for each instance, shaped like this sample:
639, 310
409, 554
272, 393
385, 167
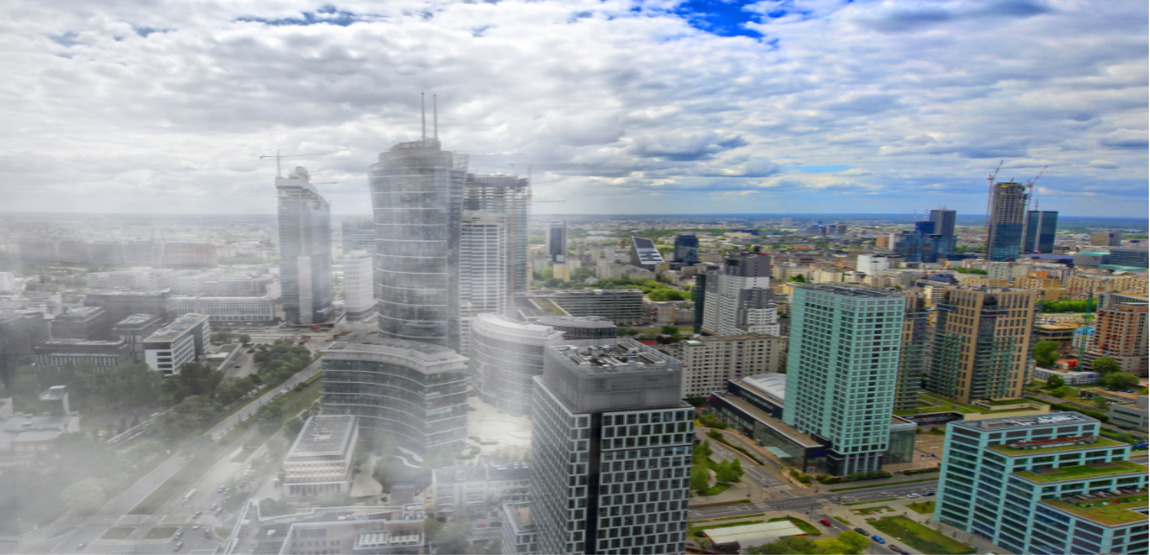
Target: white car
911, 495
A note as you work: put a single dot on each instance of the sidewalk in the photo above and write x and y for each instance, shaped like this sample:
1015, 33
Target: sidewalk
980, 544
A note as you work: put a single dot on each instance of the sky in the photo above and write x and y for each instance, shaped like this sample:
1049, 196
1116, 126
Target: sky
613, 106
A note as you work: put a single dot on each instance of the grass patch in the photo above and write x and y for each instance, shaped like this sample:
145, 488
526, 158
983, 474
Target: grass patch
1083, 471
160, 533
843, 520
883, 485
872, 510
1112, 515
920, 538
802, 524
222, 533
871, 501
715, 490
922, 507
117, 533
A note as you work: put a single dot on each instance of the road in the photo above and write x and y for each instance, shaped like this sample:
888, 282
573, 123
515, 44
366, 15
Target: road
806, 502
224, 426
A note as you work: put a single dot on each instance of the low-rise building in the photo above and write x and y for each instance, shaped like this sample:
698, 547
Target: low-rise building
709, 362
321, 459
473, 491
1070, 378
183, 341
1131, 416
99, 356
352, 530
133, 330
226, 309
83, 322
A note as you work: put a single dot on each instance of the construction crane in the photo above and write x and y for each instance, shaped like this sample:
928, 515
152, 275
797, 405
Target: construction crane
278, 157
1030, 186
990, 194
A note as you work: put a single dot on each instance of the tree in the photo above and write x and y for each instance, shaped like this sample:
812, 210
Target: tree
452, 538
853, 541
1105, 365
789, 544
700, 481
292, 428
1120, 380
1055, 382
1046, 353
1063, 392
245, 339
197, 379
799, 278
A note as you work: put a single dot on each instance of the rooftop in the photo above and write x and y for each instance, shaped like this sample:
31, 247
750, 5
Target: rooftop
611, 357
422, 353
772, 385
1058, 447
1115, 514
324, 435
1022, 422
1082, 471
137, 319
576, 321
857, 292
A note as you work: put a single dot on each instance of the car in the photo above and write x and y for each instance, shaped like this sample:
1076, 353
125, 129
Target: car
496, 524
178, 547
928, 494
897, 549
911, 495
878, 539
178, 535
214, 506
80, 546
861, 531
481, 525
196, 527
825, 522
220, 489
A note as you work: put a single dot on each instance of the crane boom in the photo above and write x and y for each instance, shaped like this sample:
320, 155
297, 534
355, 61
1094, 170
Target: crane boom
278, 157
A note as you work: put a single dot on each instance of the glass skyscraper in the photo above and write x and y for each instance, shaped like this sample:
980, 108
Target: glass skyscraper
305, 250
842, 371
417, 198
1005, 222
1041, 226
509, 196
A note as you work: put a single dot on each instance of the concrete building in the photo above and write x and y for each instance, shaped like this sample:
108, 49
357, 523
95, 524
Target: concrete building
1043, 484
1121, 333
842, 371
709, 362
644, 254
98, 356
417, 201
739, 297
1105, 239
580, 327
358, 285
133, 330
914, 355
15, 344
519, 534
510, 197
611, 450
305, 249
622, 306
1006, 221
1133, 257
483, 270
474, 491
321, 458
354, 530
1130, 416
184, 340
981, 345
505, 357
417, 391
557, 241
22, 436
83, 322
224, 310
121, 304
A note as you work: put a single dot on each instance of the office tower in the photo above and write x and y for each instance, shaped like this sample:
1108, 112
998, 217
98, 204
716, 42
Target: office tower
83, 322
1043, 484
483, 275
184, 340
1121, 332
358, 285
1105, 239
944, 221
358, 235
738, 297
305, 250
15, 345
842, 371
644, 254
912, 359
509, 196
1041, 225
417, 391
557, 241
417, 199
686, 250
505, 356
921, 245
133, 330
610, 450
699, 296
1133, 257
981, 344
1004, 227
710, 362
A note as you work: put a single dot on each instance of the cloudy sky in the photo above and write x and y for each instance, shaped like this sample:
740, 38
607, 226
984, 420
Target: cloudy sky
618, 106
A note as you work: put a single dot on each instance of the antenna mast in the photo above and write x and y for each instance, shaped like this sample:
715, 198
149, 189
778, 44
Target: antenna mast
435, 116
422, 116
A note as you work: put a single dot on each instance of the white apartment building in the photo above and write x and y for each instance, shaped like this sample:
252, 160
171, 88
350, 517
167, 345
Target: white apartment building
358, 285
183, 341
708, 362
226, 309
322, 457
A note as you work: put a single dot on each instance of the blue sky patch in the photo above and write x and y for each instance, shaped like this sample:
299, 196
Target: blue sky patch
328, 14
725, 19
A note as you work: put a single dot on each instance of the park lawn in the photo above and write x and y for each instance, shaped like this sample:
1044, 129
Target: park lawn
118, 533
803, 525
922, 507
872, 510
1083, 471
920, 538
160, 533
715, 490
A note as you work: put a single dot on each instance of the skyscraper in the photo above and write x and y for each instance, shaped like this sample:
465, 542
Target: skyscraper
557, 241
483, 275
912, 358
1122, 333
738, 297
842, 371
981, 345
686, 250
1041, 226
611, 450
505, 357
358, 235
509, 196
417, 197
358, 285
944, 221
305, 250
1004, 228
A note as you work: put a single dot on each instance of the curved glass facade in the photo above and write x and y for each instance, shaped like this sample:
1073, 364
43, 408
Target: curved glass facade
416, 197
505, 356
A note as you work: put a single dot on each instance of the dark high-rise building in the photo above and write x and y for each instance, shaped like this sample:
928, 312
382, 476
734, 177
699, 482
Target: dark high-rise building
944, 227
1005, 222
923, 244
686, 250
1041, 225
509, 196
305, 250
557, 241
417, 200
358, 235
610, 450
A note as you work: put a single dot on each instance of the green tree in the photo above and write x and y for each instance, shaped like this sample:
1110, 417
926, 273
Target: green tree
1120, 380
1063, 392
1046, 353
1055, 382
245, 339
799, 278
853, 541
699, 479
1105, 365
292, 428
197, 379
789, 544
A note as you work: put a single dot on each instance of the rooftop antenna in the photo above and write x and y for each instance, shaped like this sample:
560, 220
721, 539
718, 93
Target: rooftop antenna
423, 116
435, 116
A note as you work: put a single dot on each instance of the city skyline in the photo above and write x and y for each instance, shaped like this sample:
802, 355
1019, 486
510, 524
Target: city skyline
611, 107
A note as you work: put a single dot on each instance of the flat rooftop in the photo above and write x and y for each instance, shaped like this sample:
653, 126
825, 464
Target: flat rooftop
423, 352
136, 320
1081, 472
772, 384
1022, 422
324, 435
611, 357
1125, 511
857, 292
1055, 447
588, 322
